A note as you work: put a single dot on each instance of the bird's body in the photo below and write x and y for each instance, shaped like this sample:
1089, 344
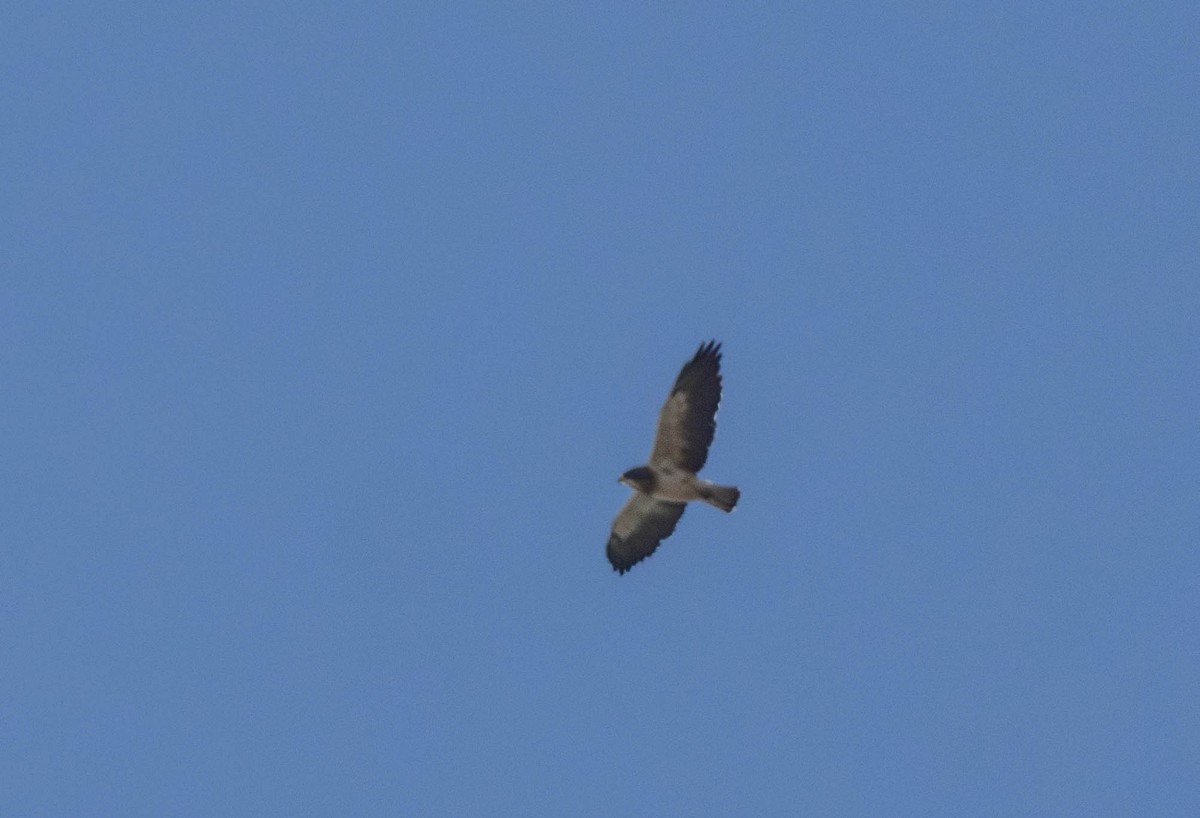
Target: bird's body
664, 486
662, 481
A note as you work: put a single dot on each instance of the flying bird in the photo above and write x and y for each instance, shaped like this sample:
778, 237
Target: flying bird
663, 487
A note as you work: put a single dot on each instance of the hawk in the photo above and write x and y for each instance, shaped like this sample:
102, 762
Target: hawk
663, 487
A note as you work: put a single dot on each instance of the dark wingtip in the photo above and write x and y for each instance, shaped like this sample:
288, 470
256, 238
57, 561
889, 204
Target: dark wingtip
712, 349
622, 570
619, 565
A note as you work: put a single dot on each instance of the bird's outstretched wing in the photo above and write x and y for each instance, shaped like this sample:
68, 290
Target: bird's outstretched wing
642, 524
688, 419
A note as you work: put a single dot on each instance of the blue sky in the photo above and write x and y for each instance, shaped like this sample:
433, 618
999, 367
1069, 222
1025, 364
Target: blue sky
327, 329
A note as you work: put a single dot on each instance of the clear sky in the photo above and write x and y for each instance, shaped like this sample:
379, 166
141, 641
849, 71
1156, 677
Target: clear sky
327, 328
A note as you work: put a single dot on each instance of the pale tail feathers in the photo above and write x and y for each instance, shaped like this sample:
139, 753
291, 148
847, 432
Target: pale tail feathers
723, 497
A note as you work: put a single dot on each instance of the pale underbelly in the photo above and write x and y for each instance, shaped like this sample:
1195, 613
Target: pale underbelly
677, 488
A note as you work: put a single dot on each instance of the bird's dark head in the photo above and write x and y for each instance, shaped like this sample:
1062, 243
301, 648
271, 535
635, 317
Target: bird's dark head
640, 478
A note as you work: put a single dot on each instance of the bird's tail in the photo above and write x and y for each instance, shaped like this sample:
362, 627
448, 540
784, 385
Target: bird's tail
723, 497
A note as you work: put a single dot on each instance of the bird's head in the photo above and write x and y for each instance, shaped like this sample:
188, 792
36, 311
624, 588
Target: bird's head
641, 479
